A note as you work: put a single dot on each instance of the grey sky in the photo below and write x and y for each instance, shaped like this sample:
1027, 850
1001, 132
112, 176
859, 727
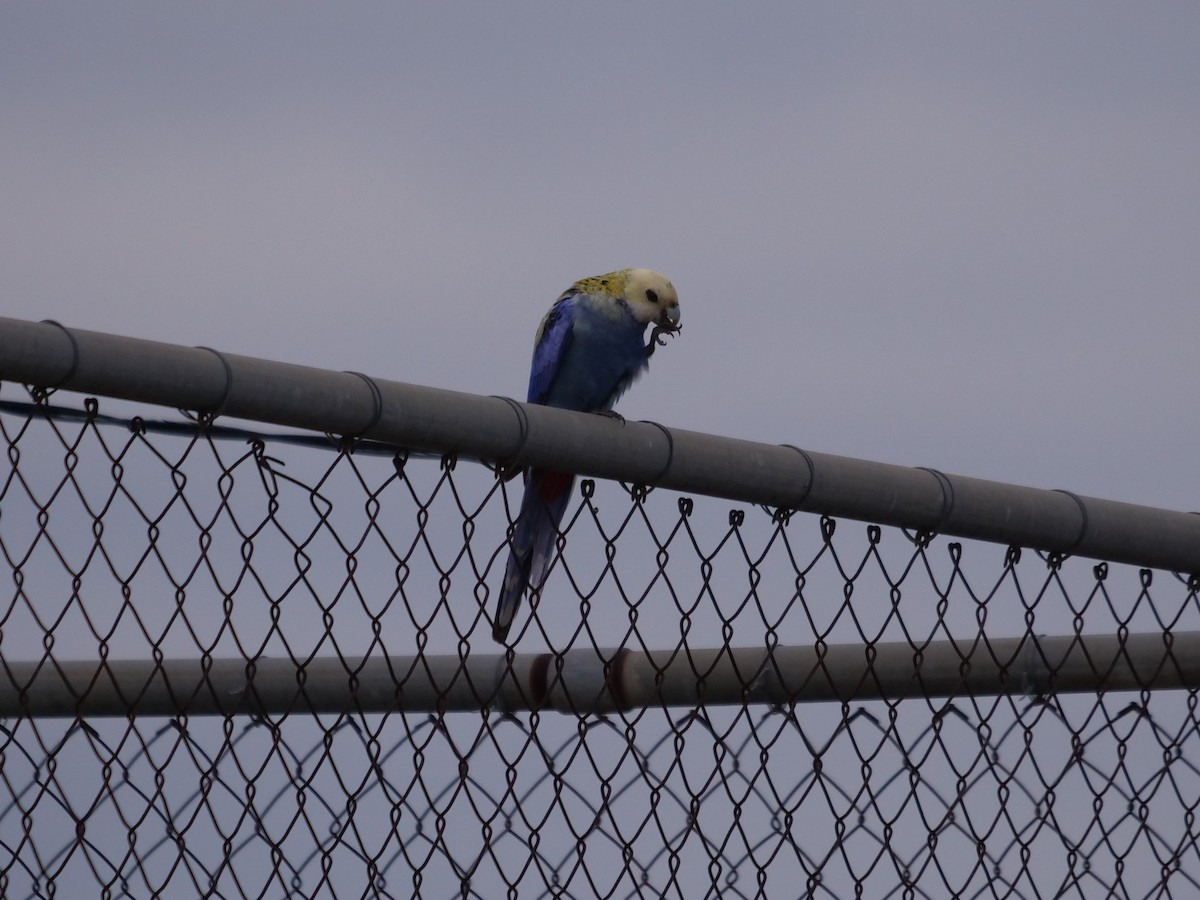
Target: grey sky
962, 236
944, 234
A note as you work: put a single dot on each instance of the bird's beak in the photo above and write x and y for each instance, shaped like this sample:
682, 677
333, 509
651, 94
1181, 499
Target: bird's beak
670, 317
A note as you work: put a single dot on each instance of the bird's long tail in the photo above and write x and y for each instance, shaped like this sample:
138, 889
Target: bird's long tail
532, 547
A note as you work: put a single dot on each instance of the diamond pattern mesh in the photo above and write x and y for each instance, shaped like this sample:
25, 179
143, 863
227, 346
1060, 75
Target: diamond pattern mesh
125, 539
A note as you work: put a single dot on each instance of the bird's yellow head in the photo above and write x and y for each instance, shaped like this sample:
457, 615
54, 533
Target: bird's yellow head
650, 297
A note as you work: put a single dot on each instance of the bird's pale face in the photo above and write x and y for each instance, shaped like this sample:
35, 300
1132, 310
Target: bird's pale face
651, 298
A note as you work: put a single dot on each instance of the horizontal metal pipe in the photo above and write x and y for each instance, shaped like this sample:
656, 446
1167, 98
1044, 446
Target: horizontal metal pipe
499, 429
587, 681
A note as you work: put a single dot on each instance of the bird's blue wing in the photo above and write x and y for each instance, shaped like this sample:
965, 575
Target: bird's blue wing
553, 340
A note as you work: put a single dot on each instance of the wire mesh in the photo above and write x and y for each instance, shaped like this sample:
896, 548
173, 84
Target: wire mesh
127, 539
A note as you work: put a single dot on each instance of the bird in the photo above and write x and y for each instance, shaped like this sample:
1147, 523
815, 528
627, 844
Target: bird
587, 351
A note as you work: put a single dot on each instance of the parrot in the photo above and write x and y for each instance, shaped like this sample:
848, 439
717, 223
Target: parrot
588, 349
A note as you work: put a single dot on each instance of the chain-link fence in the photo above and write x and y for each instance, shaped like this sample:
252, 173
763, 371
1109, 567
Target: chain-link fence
240, 662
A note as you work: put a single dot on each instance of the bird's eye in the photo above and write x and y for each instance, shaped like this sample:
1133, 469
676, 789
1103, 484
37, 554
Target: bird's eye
651, 296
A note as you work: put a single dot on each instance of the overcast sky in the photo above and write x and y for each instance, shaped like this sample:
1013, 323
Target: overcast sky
955, 235
958, 235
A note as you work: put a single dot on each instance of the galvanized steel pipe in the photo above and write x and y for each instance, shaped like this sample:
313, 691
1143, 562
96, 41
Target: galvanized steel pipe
586, 681
499, 429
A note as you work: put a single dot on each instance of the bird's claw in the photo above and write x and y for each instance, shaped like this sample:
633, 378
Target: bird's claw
658, 337
611, 414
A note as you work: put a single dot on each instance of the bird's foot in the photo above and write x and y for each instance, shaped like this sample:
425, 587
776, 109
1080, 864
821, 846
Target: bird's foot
657, 337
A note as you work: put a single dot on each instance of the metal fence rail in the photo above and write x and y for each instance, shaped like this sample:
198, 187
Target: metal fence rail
499, 429
595, 681
239, 663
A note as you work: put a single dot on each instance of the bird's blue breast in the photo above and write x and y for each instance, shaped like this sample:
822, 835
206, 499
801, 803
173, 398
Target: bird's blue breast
600, 361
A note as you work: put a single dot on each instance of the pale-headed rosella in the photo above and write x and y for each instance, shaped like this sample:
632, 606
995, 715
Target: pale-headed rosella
589, 348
